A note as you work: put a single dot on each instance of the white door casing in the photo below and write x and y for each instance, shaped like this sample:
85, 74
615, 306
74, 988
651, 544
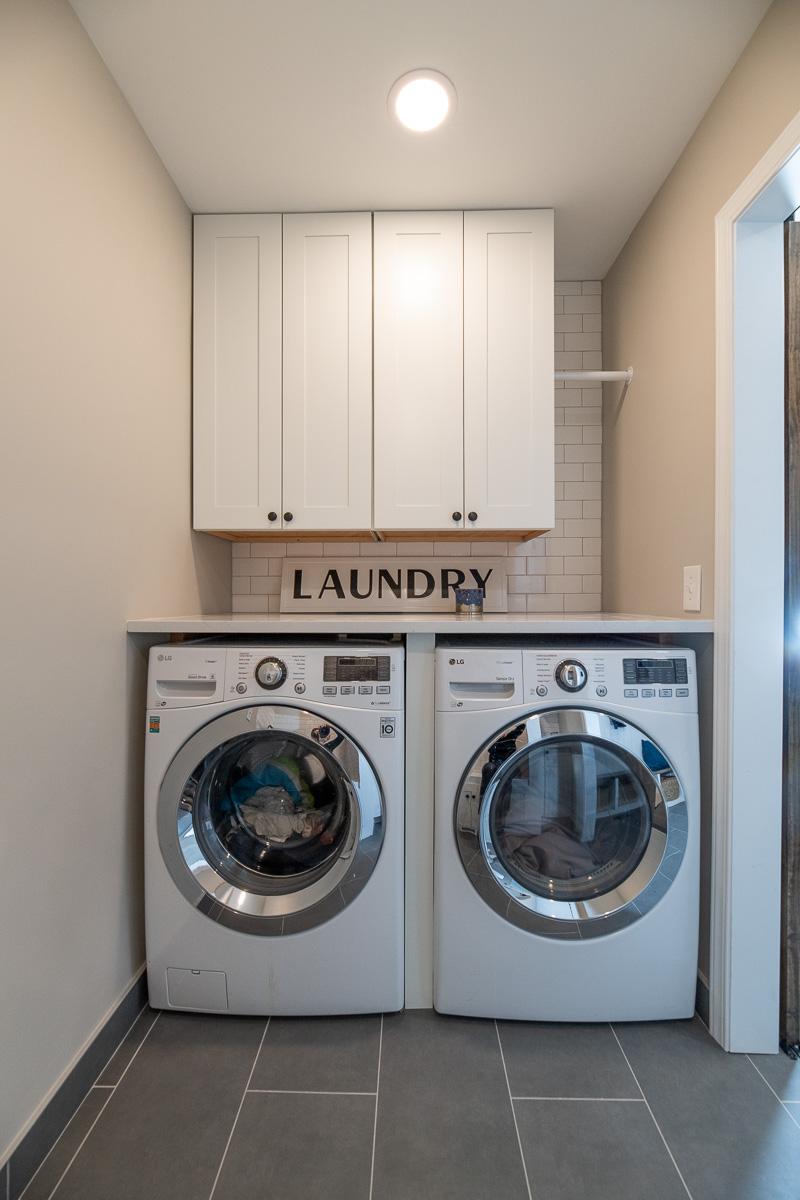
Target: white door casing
508, 369
327, 371
418, 371
237, 371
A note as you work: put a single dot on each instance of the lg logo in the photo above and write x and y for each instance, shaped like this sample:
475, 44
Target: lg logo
456, 662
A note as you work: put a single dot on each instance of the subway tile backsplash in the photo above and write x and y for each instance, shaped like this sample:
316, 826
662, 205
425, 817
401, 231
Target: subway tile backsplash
558, 572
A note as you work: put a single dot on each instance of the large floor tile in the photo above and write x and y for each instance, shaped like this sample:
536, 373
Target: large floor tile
445, 1124
59, 1158
300, 1147
319, 1054
565, 1060
163, 1132
781, 1073
595, 1150
127, 1048
730, 1137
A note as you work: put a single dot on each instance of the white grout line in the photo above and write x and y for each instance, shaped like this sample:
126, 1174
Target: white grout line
238, 1111
587, 1099
110, 1088
652, 1114
513, 1112
375, 1122
301, 1092
783, 1103
136, 1052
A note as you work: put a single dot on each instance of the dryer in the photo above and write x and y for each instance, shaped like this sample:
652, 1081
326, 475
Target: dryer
567, 832
274, 805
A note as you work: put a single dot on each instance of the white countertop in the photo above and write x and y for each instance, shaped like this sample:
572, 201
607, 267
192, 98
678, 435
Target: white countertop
489, 623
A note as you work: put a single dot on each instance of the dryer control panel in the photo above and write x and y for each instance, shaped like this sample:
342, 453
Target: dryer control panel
664, 680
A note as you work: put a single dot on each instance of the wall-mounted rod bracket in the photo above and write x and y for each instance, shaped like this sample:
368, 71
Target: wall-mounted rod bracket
623, 377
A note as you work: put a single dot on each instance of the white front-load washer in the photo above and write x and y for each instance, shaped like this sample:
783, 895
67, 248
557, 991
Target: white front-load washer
567, 832
274, 830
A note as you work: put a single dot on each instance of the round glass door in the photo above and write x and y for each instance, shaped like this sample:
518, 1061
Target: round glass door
568, 816
270, 820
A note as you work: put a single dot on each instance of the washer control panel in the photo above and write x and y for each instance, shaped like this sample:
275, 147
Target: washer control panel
354, 678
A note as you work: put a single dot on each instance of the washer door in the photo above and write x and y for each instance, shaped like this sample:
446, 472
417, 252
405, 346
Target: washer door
270, 820
571, 823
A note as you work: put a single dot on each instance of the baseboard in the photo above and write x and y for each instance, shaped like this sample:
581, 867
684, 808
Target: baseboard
69, 1091
702, 1001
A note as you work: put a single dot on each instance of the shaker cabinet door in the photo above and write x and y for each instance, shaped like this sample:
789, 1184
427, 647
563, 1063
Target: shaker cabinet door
237, 372
327, 371
508, 370
418, 382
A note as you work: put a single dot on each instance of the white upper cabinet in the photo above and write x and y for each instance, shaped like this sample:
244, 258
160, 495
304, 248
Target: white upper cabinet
418, 383
508, 370
327, 371
237, 372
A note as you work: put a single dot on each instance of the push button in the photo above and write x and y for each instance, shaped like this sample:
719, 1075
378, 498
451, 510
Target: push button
241, 688
631, 692
648, 692
365, 689
602, 690
682, 692
541, 690
383, 690
329, 691
299, 688
348, 689
665, 693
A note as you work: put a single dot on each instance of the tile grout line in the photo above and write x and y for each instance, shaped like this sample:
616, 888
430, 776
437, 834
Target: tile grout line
375, 1121
301, 1092
513, 1112
102, 1110
80, 1106
586, 1099
652, 1114
782, 1103
238, 1112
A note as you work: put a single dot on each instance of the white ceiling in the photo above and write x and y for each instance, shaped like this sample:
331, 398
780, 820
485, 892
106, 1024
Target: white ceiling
579, 105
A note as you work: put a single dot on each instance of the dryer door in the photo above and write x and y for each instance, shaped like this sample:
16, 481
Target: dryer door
571, 822
270, 820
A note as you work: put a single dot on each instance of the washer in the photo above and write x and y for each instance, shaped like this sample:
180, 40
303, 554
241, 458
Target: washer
274, 808
567, 833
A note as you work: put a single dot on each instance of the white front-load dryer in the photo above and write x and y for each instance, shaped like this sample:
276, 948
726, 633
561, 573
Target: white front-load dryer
274, 831
567, 833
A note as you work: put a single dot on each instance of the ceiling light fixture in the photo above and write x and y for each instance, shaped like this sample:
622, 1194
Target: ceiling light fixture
421, 100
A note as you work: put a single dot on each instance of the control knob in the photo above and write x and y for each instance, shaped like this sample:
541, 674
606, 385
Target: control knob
571, 675
270, 673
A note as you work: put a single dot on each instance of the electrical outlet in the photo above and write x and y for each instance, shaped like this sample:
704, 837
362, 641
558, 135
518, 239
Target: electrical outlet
692, 577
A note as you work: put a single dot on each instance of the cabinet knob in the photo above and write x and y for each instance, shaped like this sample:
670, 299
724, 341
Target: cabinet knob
473, 516
288, 516
272, 516
456, 516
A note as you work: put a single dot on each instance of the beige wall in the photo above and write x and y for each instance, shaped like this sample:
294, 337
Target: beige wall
95, 246
658, 315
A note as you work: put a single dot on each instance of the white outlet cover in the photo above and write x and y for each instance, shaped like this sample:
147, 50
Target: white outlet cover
692, 582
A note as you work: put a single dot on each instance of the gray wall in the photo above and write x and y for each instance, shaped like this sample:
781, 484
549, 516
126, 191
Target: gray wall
95, 245
658, 315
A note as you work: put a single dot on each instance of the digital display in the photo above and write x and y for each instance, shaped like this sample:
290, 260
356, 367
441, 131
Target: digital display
362, 668
655, 670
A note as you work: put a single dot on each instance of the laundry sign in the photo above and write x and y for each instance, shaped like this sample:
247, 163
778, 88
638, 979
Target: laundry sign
390, 584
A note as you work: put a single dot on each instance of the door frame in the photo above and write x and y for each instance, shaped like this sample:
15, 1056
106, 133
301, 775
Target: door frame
749, 566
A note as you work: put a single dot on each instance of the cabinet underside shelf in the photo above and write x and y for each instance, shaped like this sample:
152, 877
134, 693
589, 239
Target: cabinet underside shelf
370, 535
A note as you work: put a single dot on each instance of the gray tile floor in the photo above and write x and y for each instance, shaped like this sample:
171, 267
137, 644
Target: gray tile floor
435, 1108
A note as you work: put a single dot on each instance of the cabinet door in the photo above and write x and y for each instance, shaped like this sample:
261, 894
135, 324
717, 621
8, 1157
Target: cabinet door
327, 371
419, 400
237, 372
508, 370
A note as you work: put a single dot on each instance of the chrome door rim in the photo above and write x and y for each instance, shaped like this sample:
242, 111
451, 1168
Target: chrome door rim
293, 908
621, 905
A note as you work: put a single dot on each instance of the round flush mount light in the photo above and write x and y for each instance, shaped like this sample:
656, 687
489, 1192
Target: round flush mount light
421, 100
